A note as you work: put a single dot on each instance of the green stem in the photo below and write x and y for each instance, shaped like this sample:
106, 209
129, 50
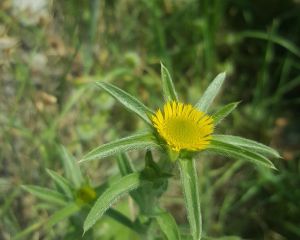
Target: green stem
189, 181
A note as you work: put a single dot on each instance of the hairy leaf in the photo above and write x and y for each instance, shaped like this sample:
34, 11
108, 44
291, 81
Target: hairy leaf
210, 93
130, 102
134, 142
61, 214
223, 112
61, 182
121, 187
230, 150
167, 85
248, 144
71, 167
126, 168
46, 194
168, 225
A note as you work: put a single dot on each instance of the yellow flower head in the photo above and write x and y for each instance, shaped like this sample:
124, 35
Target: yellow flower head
183, 127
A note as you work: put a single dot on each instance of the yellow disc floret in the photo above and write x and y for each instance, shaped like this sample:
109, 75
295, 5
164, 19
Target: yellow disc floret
183, 127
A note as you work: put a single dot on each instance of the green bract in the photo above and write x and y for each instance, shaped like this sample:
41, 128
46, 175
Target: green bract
147, 185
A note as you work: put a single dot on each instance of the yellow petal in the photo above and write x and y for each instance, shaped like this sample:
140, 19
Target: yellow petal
183, 127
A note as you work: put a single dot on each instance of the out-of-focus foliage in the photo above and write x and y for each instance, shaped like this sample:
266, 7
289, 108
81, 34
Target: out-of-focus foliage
51, 50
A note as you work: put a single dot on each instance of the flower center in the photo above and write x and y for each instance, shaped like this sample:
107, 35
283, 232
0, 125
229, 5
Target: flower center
180, 130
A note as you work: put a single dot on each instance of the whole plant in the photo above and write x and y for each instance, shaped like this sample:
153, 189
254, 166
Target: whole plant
179, 133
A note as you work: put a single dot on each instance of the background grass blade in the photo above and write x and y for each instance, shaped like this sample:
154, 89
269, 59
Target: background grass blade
130, 102
290, 46
189, 180
224, 112
228, 149
28, 230
168, 226
46, 194
210, 93
139, 141
248, 144
124, 185
167, 85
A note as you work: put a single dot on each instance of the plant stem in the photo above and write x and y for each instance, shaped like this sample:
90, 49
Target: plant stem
189, 181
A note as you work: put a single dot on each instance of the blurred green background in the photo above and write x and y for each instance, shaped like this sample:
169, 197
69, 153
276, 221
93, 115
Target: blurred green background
52, 51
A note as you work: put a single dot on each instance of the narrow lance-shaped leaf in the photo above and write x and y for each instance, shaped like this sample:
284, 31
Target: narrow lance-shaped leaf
130, 102
210, 93
227, 149
61, 182
168, 225
126, 168
189, 181
46, 194
125, 221
248, 144
71, 167
167, 85
121, 187
62, 214
223, 112
124, 164
134, 142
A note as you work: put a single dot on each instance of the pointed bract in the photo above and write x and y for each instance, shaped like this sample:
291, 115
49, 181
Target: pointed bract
210, 93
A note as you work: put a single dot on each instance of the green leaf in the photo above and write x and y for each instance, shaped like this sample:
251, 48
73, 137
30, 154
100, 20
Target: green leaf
119, 217
224, 112
71, 167
248, 144
130, 102
168, 225
210, 93
167, 85
121, 187
228, 149
189, 181
124, 164
134, 142
126, 168
46, 194
61, 214
61, 182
